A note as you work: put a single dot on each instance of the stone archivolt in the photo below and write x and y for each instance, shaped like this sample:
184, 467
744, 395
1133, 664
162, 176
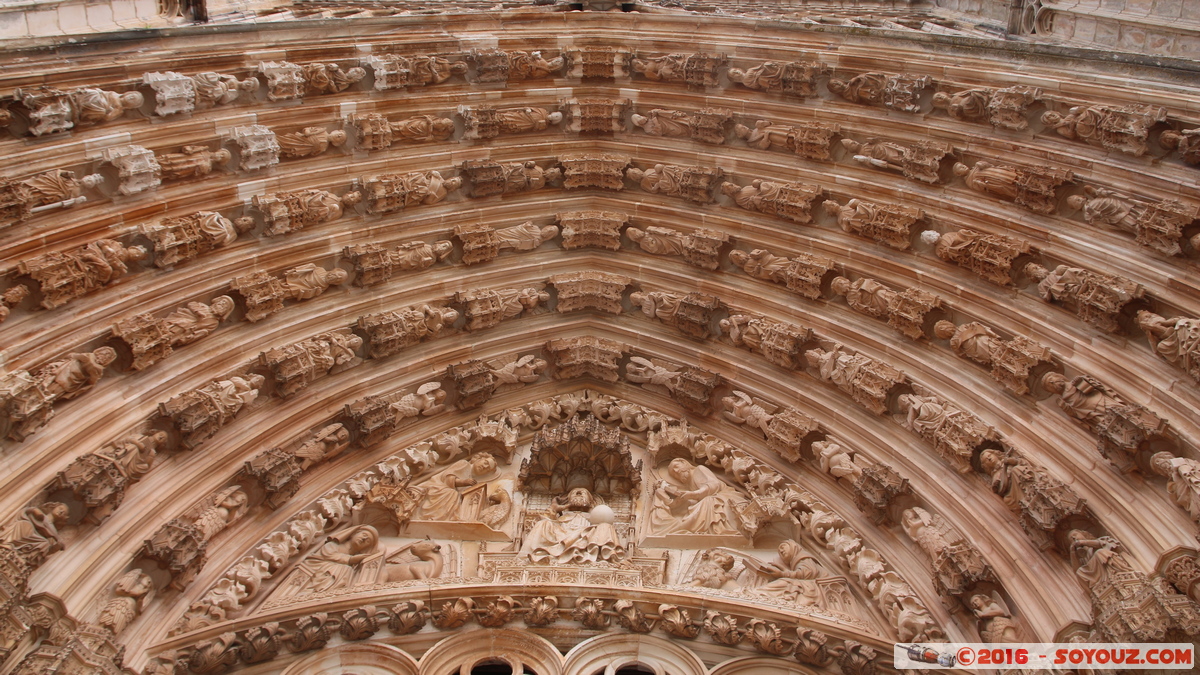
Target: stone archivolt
1033, 485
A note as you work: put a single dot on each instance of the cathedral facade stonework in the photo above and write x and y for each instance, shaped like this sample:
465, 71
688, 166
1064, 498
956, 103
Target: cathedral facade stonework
593, 338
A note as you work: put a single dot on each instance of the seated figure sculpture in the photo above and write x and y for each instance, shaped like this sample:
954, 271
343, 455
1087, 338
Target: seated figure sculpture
579, 530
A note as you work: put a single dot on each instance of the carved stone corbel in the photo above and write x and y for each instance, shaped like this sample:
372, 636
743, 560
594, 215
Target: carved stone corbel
589, 289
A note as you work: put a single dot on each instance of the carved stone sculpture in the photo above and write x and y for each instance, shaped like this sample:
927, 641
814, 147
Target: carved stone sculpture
1186, 143
905, 310
482, 122
802, 274
785, 428
131, 594
996, 623
1041, 502
598, 170
920, 160
690, 386
697, 70
590, 290
137, 168
1124, 129
957, 564
490, 178
1012, 361
591, 229
377, 417
481, 243
691, 314
373, 131
49, 110
392, 192
325, 444
898, 92
487, 308
297, 365
888, 224
792, 201
868, 381
201, 412
954, 432
694, 183
1157, 225
592, 61
1126, 605
285, 80
188, 237
263, 293
840, 461
214, 89
10, 298
798, 78
174, 93
691, 499
309, 141
811, 140
1095, 296
496, 65
375, 264
1175, 340
192, 162
701, 248
1006, 108
180, 546
87, 106
286, 212
1030, 187
1121, 428
34, 534
44, 192
991, 256
779, 342
152, 340
585, 356
1183, 480
393, 71
63, 276
27, 400
258, 148
391, 332
577, 530
329, 78
708, 125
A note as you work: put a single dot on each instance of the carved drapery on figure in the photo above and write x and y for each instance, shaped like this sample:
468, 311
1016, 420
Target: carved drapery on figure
497, 65
286, 212
701, 248
1043, 504
991, 256
151, 339
375, 264
487, 308
918, 160
296, 365
391, 332
43, 192
691, 314
188, 237
99, 480
791, 201
697, 70
779, 342
898, 92
691, 499
27, 399
389, 193
483, 122
309, 141
482, 243
65, 275
1030, 187
393, 71
1156, 224
694, 183
1122, 429
373, 131
1095, 296
708, 125
1183, 480
1176, 340
957, 565
955, 433
378, 417
811, 140
200, 413
868, 381
798, 78
802, 273
904, 310
1012, 361
492, 178
181, 545
1007, 108
1123, 129
1126, 605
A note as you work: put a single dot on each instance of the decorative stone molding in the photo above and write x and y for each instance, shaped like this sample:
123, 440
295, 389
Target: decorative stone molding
791, 201
590, 290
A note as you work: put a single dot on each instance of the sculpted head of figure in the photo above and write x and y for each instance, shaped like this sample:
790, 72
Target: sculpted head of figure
722, 559
57, 512
361, 539
941, 100
104, 356
222, 306
681, 469
133, 584
1054, 383
990, 460
131, 100
1161, 463
243, 224
961, 169
337, 138
351, 198
840, 285
221, 156
837, 86
944, 330
580, 499
483, 464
